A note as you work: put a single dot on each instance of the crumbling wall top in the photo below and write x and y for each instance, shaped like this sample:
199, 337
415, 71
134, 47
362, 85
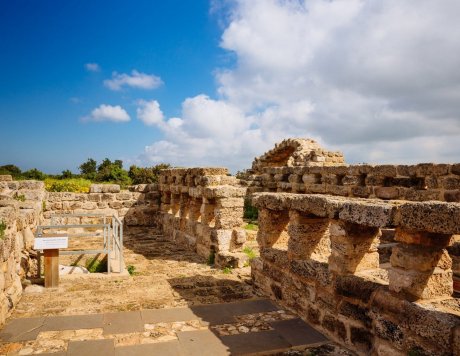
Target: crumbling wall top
297, 152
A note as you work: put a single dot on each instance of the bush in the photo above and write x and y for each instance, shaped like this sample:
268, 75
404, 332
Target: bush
75, 185
147, 175
34, 174
250, 212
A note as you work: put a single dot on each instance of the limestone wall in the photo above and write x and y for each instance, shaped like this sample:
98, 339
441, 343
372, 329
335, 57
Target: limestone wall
421, 182
20, 212
203, 209
319, 258
138, 206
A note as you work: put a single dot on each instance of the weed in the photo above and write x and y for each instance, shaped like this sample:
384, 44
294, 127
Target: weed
20, 197
2, 229
250, 253
131, 270
43, 205
227, 270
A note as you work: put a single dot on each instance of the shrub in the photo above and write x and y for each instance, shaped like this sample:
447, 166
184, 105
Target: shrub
75, 185
35, 174
250, 212
227, 270
147, 175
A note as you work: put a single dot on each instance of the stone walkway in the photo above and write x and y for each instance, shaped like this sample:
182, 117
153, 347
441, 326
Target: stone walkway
174, 304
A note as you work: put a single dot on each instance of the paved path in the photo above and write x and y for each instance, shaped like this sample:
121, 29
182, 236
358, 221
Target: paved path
214, 329
175, 304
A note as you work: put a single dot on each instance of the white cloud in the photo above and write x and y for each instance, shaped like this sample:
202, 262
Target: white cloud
149, 112
378, 80
92, 67
108, 113
135, 80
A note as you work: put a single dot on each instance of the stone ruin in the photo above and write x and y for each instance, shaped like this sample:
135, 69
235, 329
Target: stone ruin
295, 152
368, 254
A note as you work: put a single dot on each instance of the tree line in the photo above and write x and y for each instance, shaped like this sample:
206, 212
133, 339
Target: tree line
105, 172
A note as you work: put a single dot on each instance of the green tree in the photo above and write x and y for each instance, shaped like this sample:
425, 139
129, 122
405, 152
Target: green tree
35, 174
88, 169
147, 175
66, 174
11, 169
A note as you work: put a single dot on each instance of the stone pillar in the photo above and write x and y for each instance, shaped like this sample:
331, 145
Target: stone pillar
308, 237
273, 228
207, 212
175, 204
229, 212
421, 265
354, 247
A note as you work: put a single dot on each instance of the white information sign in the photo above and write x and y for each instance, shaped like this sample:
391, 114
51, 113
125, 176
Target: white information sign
48, 243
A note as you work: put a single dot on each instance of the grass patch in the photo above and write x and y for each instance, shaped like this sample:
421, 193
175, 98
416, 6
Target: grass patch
252, 227
227, 270
131, 270
75, 185
2, 229
249, 252
96, 266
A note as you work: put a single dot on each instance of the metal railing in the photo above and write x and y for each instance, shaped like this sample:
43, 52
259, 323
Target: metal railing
109, 229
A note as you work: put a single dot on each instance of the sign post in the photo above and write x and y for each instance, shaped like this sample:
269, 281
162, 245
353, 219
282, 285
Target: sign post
51, 245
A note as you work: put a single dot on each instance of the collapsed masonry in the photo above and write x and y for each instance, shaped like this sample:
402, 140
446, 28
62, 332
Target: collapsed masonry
365, 253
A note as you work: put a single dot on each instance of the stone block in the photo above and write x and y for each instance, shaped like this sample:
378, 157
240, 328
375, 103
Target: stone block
373, 213
424, 169
455, 169
309, 237
452, 196
420, 258
421, 285
104, 188
221, 239
438, 217
386, 192
422, 238
357, 287
311, 270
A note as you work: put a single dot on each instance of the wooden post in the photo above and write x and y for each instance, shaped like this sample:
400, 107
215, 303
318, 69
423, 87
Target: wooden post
51, 268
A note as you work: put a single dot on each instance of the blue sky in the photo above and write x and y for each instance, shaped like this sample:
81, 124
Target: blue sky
45, 88
218, 82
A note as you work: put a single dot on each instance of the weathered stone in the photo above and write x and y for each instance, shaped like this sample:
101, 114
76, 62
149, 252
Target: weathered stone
421, 285
104, 188
431, 216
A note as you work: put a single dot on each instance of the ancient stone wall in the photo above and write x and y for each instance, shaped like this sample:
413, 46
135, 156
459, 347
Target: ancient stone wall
20, 213
203, 209
138, 206
25, 204
421, 182
319, 258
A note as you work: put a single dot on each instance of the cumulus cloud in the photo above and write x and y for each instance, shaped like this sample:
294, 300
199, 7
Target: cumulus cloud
135, 80
149, 112
108, 113
378, 80
92, 67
